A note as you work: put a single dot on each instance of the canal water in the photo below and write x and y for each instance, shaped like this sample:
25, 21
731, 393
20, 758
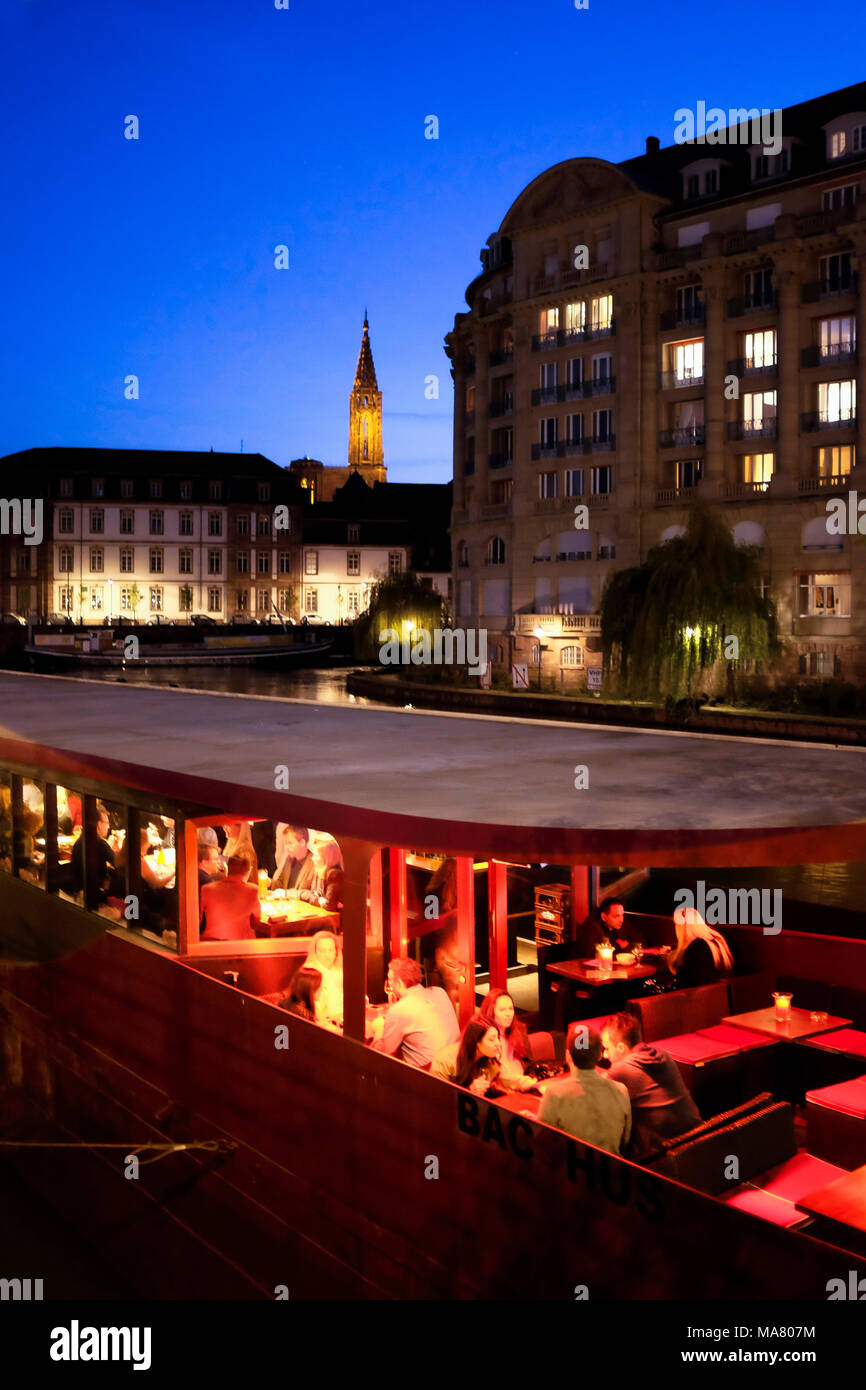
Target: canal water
835, 886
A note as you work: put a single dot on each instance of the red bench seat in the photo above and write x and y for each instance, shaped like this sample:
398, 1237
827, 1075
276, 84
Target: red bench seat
836, 1122
773, 1195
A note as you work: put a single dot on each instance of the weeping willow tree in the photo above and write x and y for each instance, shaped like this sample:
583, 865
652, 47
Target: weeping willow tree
399, 604
696, 600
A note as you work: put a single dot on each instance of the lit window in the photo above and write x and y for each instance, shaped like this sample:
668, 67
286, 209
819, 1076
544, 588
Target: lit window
156, 598
837, 401
825, 595
353, 562
602, 313
758, 468
571, 656
311, 601
835, 461
395, 562
311, 562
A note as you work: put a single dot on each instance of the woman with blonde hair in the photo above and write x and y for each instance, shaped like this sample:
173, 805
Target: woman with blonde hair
326, 956
327, 889
702, 955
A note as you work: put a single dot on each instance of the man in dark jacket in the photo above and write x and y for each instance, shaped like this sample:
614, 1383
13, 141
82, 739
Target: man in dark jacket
661, 1107
606, 925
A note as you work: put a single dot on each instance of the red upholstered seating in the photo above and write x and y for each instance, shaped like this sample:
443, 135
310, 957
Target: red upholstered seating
836, 1122
741, 1039
847, 1096
695, 1048
770, 1208
851, 1041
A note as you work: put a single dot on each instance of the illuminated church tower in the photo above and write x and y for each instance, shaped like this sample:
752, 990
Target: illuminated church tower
365, 417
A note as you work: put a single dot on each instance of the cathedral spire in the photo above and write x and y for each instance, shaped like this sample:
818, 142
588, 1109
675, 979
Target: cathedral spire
365, 415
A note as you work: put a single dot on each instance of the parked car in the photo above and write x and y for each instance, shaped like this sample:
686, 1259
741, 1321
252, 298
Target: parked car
203, 620
12, 618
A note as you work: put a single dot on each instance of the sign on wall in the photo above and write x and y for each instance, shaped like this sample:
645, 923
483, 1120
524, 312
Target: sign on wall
520, 676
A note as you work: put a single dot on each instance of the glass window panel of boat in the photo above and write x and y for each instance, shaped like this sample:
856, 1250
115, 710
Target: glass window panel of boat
155, 867
101, 887
5, 823
64, 873
28, 833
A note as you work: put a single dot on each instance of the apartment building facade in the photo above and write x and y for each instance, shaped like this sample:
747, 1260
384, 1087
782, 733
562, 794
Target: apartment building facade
683, 324
153, 535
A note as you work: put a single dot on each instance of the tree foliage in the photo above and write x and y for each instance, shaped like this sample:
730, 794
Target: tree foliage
396, 600
667, 620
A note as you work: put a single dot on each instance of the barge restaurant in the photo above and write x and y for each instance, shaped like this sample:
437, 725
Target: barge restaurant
315, 1161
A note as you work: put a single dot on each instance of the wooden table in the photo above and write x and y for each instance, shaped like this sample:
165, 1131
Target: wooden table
519, 1100
799, 1024
586, 972
293, 916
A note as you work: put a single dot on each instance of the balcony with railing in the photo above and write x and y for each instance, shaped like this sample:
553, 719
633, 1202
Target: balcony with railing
503, 405
752, 429
827, 420
491, 510
547, 451
665, 496
493, 303
548, 395
542, 283
684, 316
601, 330
689, 435
745, 491
499, 357
569, 275
670, 381
751, 304
500, 460
574, 447
599, 443
544, 505
553, 623
828, 354
546, 342
602, 385
832, 287
747, 366
830, 482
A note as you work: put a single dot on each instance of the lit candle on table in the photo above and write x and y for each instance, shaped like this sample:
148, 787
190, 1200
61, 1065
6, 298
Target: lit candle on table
783, 1007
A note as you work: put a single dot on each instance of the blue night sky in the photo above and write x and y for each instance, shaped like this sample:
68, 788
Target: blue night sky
306, 127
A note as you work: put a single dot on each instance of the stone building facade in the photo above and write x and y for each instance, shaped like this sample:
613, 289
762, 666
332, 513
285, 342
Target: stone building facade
683, 324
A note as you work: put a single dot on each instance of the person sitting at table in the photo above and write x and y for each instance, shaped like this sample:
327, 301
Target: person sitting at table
701, 955
239, 842
420, 1022
303, 992
326, 956
230, 907
109, 881
661, 1107
606, 927
210, 868
152, 876
327, 886
588, 1104
472, 1061
498, 1008
295, 870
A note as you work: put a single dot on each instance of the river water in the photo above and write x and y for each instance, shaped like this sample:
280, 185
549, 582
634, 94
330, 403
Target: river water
838, 886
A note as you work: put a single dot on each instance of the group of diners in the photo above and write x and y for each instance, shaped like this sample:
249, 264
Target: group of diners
701, 955
156, 910
240, 860
619, 1094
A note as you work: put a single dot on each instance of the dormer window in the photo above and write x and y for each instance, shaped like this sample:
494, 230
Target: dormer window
845, 196
701, 178
846, 135
770, 166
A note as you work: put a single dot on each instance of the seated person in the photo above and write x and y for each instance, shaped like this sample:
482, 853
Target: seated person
29, 860
239, 842
295, 870
210, 868
607, 926
588, 1105
327, 887
326, 956
303, 994
498, 1008
263, 835
420, 1022
473, 1062
230, 908
661, 1107
701, 956
109, 880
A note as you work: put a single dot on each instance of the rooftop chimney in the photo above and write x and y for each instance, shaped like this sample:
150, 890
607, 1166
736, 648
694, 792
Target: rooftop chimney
652, 144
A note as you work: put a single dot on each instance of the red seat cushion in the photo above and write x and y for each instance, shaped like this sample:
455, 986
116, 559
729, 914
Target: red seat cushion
850, 1040
694, 1047
798, 1175
770, 1208
740, 1038
847, 1096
